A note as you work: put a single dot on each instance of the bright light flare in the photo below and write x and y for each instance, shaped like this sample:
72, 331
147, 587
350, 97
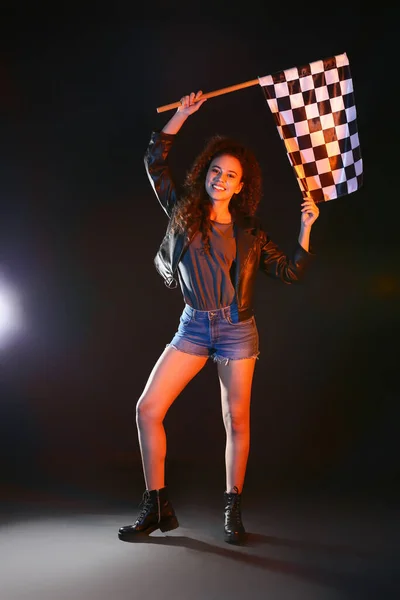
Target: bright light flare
10, 313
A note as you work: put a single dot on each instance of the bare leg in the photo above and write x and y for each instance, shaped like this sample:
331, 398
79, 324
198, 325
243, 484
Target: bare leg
236, 382
171, 373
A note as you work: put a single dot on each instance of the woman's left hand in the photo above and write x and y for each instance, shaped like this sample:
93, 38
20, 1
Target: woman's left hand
310, 212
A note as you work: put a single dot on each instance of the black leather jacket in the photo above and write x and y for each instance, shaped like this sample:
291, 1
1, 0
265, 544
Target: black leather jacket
254, 248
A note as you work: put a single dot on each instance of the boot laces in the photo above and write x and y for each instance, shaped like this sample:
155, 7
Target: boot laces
233, 506
145, 506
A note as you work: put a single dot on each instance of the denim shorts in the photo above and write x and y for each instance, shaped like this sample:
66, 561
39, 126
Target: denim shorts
217, 334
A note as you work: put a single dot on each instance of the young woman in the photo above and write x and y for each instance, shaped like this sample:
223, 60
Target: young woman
213, 247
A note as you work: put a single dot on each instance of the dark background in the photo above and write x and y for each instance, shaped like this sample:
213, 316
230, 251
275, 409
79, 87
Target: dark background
80, 226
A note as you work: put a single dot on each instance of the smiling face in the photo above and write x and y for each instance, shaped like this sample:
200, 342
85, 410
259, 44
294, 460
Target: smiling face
224, 178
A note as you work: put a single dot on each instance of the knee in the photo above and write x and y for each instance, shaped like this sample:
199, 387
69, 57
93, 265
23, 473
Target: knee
146, 412
236, 422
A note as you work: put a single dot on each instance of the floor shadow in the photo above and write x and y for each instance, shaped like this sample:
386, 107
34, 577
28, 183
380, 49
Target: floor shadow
257, 540
361, 585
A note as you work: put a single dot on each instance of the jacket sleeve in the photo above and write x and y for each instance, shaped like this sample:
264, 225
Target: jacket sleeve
276, 264
156, 165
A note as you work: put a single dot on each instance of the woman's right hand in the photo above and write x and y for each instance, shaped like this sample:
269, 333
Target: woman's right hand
191, 103
188, 105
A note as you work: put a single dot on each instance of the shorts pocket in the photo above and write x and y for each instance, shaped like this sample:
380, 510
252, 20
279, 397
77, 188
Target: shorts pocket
240, 323
185, 318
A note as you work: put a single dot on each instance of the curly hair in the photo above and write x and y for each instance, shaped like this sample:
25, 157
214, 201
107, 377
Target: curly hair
194, 204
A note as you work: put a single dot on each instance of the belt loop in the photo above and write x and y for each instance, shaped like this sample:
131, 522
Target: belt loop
234, 312
190, 310
229, 311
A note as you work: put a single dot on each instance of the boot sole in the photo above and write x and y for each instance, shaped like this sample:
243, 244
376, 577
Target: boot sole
165, 525
238, 540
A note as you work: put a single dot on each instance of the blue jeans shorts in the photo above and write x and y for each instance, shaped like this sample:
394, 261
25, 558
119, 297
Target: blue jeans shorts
217, 334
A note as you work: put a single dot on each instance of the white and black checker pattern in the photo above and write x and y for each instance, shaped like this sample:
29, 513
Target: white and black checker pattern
315, 113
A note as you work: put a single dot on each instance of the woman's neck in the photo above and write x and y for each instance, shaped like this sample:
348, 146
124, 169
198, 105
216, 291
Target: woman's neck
220, 216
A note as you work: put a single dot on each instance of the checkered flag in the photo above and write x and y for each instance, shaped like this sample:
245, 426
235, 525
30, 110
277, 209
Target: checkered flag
315, 114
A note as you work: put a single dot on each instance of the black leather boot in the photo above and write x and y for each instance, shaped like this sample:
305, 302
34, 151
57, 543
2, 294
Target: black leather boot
156, 513
234, 531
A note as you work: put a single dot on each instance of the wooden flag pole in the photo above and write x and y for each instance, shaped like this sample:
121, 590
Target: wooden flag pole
226, 90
